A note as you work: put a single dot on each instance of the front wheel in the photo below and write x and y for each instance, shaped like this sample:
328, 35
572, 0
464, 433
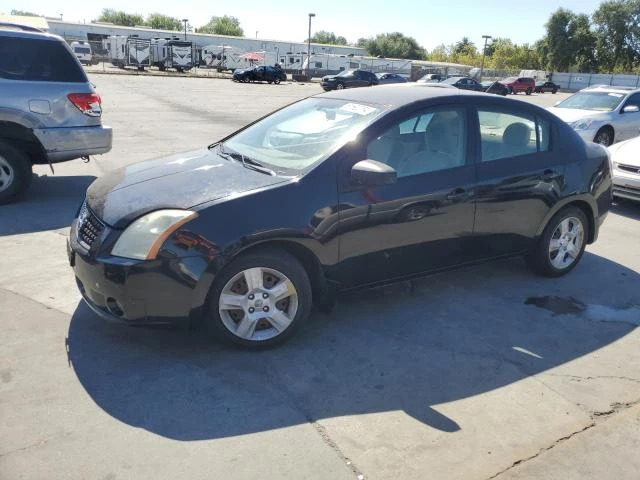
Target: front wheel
340, 86
562, 243
15, 172
276, 81
604, 137
260, 299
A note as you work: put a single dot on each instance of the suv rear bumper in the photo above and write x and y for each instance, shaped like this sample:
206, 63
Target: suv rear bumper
61, 144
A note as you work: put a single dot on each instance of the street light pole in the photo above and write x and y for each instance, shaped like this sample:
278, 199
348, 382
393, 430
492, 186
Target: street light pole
185, 20
309, 45
484, 52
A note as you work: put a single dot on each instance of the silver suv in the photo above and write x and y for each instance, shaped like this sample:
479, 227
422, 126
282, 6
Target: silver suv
49, 112
602, 114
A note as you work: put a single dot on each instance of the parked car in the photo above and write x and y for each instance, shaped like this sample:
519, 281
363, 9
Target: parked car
348, 79
260, 74
520, 84
496, 88
247, 233
385, 78
49, 111
602, 114
626, 169
431, 77
463, 83
543, 87
82, 50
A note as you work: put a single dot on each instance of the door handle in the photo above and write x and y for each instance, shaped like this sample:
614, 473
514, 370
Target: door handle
457, 194
549, 175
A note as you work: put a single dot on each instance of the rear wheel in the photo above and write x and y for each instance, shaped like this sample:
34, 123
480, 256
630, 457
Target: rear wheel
259, 299
528, 91
276, 81
562, 244
15, 172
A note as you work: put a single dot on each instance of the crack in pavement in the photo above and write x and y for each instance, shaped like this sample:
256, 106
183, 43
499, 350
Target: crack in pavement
595, 377
543, 450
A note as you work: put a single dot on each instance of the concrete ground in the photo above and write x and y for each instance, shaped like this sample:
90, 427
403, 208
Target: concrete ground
487, 372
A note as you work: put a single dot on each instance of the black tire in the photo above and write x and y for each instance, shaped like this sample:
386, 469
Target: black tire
511, 91
340, 86
554, 91
277, 260
528, 91
15, 176
540, 259
604, 136
276, 81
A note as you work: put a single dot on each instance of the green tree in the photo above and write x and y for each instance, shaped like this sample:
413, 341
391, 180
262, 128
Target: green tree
24, 14
225, 25
569, 43
465, 47
163, 22
616, 29
118, 17
393, 45
441, 53
328, 38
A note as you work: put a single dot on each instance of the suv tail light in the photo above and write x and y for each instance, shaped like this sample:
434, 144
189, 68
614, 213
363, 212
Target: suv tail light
87, 103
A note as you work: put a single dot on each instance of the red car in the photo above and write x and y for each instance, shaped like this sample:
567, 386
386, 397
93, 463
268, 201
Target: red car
520, 84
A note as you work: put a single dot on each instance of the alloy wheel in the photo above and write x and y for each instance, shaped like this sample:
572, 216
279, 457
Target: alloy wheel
566, 243
7, 174
258, 304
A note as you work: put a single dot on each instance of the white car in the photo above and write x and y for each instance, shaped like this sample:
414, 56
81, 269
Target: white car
626, 169
602, 114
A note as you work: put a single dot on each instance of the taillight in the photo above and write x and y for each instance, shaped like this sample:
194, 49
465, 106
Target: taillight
87, 103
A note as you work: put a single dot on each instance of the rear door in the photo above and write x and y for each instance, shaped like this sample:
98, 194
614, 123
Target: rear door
520, 178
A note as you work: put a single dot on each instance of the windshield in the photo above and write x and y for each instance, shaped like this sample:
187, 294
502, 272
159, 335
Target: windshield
303, 134
600, 101
344, 73
451, 80
510, 79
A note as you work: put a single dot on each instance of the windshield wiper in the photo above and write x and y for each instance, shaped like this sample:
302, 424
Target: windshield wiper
247, 162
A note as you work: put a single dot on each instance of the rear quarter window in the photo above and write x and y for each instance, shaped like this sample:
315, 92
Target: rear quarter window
38, 60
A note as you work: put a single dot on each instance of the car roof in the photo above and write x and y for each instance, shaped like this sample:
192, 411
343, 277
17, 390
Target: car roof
400, 94
25, 31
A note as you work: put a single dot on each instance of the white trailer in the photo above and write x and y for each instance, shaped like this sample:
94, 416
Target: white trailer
83, 52
329, 64
128, 51
171, 53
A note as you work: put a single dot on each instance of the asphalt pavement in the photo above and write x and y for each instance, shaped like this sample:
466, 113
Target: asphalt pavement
487, 372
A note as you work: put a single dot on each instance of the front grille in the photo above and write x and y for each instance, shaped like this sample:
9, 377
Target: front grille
629, 168
88, 228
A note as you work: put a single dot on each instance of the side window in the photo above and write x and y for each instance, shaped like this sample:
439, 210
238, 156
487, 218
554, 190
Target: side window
633, 100
431, 141
38, 60
505, 134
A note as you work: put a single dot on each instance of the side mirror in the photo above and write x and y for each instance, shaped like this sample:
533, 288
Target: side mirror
372, 172
631, 109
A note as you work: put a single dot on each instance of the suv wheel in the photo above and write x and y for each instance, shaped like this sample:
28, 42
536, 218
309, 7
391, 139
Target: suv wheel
562, 243
260, 299
15, 172
528, 91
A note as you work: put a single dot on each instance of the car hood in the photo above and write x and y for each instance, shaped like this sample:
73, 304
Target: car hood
626, 152
570, 115
179, 181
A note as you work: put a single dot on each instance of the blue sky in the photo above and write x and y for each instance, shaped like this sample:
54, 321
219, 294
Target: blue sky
431, 22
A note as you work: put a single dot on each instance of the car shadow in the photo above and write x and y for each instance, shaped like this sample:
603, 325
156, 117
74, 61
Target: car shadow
406, 347
50, 203
626, 208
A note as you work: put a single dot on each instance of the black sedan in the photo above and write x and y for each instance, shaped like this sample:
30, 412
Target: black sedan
259, 74
336, 192
542, 87
496, 88
463, 83
385, 78
348, 79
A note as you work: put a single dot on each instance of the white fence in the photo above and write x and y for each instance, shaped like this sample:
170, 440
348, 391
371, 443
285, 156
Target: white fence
578, 81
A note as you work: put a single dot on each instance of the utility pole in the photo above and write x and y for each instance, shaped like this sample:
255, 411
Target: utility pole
185, 21
309, 45
484, 52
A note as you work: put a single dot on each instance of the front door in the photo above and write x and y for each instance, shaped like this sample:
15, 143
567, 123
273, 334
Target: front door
423, 221
628, 123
